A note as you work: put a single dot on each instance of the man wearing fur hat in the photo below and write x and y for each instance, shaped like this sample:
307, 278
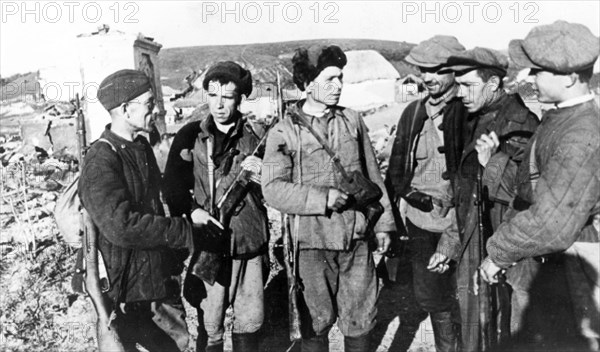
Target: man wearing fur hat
559, 188
423, 160
495, 115
226, 141
119, 187
336, 267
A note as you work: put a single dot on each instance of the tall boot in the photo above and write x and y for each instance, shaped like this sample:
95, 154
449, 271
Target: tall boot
357, 344
316, 344
444, 332
245, 342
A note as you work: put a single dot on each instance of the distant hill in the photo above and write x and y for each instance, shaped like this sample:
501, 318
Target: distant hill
266, 58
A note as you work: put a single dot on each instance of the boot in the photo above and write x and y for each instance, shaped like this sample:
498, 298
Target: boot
316, 344
357, 344
215, 348
444, 332
245, 342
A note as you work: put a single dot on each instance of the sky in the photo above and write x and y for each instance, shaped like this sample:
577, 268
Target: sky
38, 34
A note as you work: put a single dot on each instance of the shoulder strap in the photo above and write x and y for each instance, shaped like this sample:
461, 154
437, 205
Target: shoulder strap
334, 157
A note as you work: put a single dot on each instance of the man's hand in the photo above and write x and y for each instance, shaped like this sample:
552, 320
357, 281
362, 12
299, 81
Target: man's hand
202, 217
336, 199
485, 146
489, 271
438, 263
254, 165
383, 242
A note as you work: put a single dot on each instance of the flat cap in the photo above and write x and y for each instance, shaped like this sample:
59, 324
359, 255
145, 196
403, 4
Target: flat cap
229, 71
121, 87
560, 47
478, 58
308, 63
434, 51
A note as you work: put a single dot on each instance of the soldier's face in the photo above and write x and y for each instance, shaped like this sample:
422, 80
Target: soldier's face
548, 85
474, 92
326, 88
436, 83
223, 101
140, 112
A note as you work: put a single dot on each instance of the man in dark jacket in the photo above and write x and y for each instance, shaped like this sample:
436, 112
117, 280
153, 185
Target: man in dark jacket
119, 187
224, 146
336, 267
559, 186
479, 73
424, 156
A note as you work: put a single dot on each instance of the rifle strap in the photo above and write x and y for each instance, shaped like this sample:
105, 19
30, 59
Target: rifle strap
336, 160
211, 174
534, 172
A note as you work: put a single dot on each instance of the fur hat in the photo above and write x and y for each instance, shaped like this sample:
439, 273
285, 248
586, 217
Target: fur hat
307, 64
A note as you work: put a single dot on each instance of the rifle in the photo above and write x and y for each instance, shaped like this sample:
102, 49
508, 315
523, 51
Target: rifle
80, 126
483, 293
290, 256
205, 264
108, 339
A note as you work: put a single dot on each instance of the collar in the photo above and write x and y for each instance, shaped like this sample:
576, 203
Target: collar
208, 126
120, 142
444, 98
494, 105
575, 101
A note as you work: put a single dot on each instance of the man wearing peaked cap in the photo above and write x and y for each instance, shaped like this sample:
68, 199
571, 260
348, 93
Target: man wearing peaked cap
422, 163
119, 188
494, 116
559, 188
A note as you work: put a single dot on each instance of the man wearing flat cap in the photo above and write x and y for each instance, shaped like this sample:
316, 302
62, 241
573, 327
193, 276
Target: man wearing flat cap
424, 157
224, 145
494, 115
559, 188
119, 187
301, 178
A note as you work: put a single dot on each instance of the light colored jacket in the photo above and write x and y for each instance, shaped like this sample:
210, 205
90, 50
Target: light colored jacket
298, 172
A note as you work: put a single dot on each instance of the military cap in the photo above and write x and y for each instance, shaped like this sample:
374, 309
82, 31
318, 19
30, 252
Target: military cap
478, 58
121, 87
560, 47
229, 71
308, 63
434, 51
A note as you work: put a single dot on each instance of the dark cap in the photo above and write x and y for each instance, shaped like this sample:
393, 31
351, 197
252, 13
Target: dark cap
478, 58
308, 63
121, 87
560, 47
434, 51
229, 71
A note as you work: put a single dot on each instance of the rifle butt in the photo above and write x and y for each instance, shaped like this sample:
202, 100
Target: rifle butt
293, 311
108, 339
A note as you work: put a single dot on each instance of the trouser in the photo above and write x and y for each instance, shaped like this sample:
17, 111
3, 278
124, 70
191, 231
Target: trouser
245, 294
583, 277
157, 326
433, 291
339, 285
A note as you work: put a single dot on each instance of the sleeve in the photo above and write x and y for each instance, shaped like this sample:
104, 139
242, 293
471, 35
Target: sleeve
449, 243
178, 178
386, 221
103, 191
568, 188
500, 173
395, 179
278, 186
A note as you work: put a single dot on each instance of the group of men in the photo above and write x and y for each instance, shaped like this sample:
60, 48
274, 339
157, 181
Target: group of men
541, 188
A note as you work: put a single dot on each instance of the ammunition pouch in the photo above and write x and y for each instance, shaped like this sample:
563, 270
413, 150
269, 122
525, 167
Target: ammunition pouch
363, 191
